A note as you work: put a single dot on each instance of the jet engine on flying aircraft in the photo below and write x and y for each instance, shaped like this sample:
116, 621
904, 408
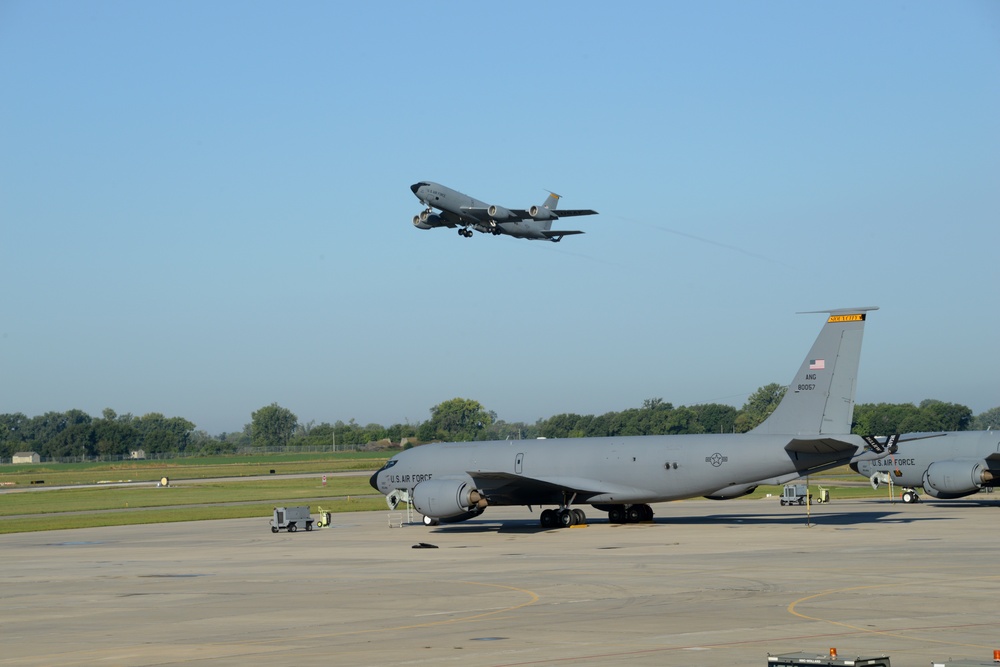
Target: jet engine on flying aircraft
428, 221
540, 213
956, 479
444, 498
499, 213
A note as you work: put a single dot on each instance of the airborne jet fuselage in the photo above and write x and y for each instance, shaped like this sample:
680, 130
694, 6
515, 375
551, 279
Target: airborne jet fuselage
468, 214
809, 431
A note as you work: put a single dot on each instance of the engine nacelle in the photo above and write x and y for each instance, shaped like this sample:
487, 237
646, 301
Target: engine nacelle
422, 221
540, 213
956, 479
499, 213
443, 498
735, 491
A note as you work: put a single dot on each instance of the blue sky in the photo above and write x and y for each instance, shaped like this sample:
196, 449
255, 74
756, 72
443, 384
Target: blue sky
205, 207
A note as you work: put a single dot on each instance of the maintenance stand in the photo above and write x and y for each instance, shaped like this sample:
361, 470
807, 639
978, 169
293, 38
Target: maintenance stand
831, 660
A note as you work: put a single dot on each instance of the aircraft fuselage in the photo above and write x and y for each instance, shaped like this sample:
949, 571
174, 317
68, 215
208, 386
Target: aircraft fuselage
460, 210
627, 470
946, 464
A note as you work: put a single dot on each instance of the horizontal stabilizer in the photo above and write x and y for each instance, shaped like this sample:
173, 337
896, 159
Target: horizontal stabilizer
823, 445
550, 233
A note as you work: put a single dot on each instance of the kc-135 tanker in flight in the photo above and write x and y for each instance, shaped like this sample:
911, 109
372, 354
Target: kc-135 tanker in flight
468, 214
809, 431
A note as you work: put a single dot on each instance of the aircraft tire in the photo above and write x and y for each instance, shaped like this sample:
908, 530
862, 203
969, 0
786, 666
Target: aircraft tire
566, 518
634, 514
548, 519
616, 515
579, 517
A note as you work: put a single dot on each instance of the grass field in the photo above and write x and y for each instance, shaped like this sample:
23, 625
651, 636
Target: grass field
43, 508
232, 498
60, 474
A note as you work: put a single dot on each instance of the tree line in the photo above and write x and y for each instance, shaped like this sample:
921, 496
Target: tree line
75, 434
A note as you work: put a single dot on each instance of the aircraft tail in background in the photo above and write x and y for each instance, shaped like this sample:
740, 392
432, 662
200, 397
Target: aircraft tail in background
820, 399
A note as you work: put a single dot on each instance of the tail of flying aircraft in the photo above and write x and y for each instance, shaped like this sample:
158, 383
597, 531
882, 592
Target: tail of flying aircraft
820, 399
551, 201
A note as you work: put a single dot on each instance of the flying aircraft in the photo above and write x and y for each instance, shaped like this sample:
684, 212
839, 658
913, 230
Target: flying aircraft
951, 464
809, 431
466, 213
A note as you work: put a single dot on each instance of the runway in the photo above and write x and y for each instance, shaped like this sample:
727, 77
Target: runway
707, 583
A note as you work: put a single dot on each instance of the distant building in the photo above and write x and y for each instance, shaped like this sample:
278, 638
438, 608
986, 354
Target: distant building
137, 454
26, 457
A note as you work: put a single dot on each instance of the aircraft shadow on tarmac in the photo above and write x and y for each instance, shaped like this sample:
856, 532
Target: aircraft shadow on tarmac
855, 518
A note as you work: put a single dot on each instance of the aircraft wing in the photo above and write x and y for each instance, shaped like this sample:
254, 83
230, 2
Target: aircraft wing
568, 212
518, 489
525, 214
483, 214
453, 220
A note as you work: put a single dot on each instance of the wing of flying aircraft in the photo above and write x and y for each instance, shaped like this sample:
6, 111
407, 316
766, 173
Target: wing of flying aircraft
468, 214
947, 465
810, 430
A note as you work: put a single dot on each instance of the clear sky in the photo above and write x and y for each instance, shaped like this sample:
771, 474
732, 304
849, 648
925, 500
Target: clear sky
205, 206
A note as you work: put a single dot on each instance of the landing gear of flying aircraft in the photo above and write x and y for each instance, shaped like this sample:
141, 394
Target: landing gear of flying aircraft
563, 518
910, 496
630, 514
467, 233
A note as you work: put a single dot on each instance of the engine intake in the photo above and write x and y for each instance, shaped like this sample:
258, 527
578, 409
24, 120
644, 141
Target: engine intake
499, 213
540, 213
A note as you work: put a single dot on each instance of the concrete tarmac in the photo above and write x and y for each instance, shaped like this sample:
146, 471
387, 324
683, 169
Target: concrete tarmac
707, 583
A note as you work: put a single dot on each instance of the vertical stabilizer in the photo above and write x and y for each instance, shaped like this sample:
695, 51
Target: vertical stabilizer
820, 399
551, 201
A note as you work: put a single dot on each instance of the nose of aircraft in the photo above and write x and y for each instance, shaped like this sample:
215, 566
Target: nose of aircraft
415, 187
374, 481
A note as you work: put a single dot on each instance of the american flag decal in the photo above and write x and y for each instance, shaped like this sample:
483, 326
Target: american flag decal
817, 364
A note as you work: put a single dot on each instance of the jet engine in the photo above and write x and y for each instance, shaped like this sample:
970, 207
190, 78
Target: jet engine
443, 498
955, 479
422, 221
540, 213
735, 491
499, 213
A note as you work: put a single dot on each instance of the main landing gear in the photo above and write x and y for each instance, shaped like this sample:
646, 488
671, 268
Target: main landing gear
467, 233
630, 513
910, 496
563, 518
